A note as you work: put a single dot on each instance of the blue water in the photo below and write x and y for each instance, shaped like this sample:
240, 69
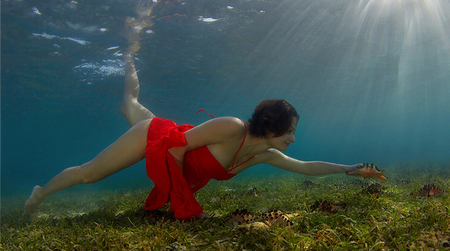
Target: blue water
370, 78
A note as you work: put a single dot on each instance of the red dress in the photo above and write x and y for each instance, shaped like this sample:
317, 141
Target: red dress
170, 183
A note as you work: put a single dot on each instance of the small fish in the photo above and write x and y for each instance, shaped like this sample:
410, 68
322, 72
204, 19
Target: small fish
35, 11
44, 35
111, 48
82, 42
118, 53
207, 19
326, 206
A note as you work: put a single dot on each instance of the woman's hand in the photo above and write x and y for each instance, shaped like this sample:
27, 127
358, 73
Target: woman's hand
353, 167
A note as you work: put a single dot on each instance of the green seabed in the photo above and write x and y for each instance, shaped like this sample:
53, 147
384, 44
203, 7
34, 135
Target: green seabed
115, 220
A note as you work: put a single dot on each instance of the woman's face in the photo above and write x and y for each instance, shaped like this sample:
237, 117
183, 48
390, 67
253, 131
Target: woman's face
282, 142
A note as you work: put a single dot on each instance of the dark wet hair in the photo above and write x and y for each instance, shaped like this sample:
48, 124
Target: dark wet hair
271, 116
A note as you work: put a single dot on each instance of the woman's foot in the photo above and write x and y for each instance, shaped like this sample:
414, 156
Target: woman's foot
33, 201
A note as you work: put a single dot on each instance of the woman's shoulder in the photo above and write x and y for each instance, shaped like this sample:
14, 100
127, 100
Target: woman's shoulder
222, 128
231, 125
226, 122
270, 155
214, 131
230, 120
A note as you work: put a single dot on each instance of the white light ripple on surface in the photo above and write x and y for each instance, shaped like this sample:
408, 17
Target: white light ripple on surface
92, 71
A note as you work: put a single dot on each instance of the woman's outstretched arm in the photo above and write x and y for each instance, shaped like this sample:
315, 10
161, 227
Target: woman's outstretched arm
276, 158
124, 152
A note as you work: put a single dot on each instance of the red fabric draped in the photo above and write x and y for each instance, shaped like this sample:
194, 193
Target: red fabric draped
170, 184
200, 166
162, 168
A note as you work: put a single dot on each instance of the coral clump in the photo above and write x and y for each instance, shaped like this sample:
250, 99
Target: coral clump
326, 206
308, 183
240, 216
428, 191
274, 217
258, 226
374, 189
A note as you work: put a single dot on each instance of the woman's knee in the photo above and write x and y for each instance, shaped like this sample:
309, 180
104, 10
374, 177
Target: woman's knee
87, 177
134, 112
125, 109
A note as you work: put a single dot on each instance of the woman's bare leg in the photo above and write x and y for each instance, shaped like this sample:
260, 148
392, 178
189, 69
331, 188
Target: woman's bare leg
126, 151
131, 108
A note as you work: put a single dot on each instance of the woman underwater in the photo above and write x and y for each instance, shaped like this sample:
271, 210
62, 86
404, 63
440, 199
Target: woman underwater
182, 159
